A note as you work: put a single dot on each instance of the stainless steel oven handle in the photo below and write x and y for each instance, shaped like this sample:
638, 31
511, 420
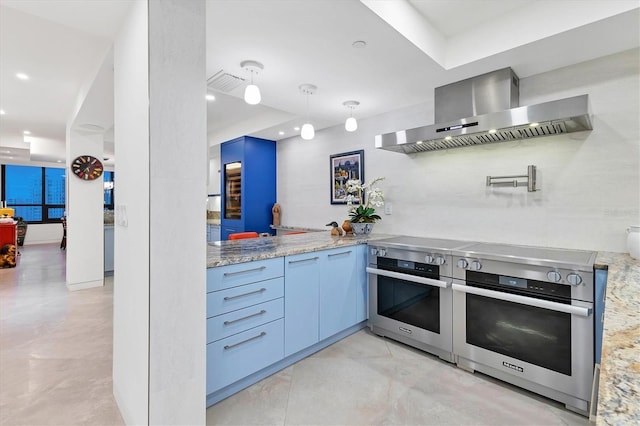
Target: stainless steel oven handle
407, 277
539, 303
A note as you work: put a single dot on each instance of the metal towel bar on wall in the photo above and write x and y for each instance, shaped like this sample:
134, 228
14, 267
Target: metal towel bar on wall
513, 180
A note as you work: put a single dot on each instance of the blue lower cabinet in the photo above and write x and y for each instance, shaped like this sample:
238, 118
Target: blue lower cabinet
213, 233
231, 299
338, 290
231, 323
108, 248
280, 309
238, 274
600, 297
237, 356
301, 301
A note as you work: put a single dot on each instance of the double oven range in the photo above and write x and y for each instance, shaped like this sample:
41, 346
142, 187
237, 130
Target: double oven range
521, 314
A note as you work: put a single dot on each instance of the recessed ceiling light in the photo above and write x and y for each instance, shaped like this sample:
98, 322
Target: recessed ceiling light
22, 76
447, 138
419, 142
296, 128
26, 132
534, 124
2, 112
6, 152
359, 44
88, 127
281, 133
210, 97
492, 131
59, 161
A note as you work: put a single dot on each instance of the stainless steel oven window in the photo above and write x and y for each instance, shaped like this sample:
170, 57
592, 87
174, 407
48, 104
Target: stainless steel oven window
535, 335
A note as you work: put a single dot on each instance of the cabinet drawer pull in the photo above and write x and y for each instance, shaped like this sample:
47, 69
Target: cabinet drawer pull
304, 260
228, 274
257, 314
245, 294
245, 341
338, 254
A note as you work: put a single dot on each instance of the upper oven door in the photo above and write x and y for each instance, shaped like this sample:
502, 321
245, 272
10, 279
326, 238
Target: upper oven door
412, 306
542, 341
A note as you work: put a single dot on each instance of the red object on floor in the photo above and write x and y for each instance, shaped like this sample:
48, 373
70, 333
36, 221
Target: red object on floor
8, 234
243, 235
8, 245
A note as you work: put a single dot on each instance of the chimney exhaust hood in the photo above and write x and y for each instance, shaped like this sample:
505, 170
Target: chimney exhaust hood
485, 109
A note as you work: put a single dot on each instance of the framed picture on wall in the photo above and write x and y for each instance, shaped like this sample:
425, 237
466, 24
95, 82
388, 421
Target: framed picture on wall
343, 167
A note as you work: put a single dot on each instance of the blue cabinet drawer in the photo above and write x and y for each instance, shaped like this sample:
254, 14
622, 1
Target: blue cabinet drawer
223, 301
243, 319
233, 358
244, 273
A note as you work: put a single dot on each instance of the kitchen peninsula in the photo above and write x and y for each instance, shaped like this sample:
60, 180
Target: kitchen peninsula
272, 301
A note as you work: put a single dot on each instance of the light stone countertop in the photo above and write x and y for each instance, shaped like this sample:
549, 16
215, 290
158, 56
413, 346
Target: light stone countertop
222, 253
619, 389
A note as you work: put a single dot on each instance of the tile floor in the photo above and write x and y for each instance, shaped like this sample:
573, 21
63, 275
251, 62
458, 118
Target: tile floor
365, 379
55, 345
55, 369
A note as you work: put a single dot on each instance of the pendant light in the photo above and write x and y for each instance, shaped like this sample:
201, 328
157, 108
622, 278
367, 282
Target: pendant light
252, 92
307, 132
351, 125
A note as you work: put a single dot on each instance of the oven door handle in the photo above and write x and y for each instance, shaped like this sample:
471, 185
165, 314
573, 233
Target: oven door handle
407, 277
530, 301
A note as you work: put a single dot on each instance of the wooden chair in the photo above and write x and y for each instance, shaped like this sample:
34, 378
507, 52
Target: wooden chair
243, 235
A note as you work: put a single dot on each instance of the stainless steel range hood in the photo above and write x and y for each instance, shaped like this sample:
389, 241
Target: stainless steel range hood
485, 109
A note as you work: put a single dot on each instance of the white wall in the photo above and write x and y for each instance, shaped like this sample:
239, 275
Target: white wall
589, 182
213, 181
43, 233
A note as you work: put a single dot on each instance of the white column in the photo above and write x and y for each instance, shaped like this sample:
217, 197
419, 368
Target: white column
84, 208
178, 195
160, 259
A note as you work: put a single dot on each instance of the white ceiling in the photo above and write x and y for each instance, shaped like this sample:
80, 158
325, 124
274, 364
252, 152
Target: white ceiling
412, 47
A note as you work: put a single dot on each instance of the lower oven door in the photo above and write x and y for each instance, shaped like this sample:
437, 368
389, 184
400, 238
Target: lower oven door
546, 343
411, 309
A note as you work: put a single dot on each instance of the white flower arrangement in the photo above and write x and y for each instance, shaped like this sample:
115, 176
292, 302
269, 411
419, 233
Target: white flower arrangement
368, 196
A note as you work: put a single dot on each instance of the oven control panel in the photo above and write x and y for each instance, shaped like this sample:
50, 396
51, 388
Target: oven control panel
580, 282
378, 254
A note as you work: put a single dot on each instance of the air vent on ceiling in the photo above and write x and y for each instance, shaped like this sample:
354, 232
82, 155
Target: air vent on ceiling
224, 82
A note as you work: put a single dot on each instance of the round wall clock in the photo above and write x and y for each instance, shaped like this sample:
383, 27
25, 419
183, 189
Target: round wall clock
87, 167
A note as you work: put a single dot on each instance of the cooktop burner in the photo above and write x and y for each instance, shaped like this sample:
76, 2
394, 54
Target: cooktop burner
531, 255
419, 243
